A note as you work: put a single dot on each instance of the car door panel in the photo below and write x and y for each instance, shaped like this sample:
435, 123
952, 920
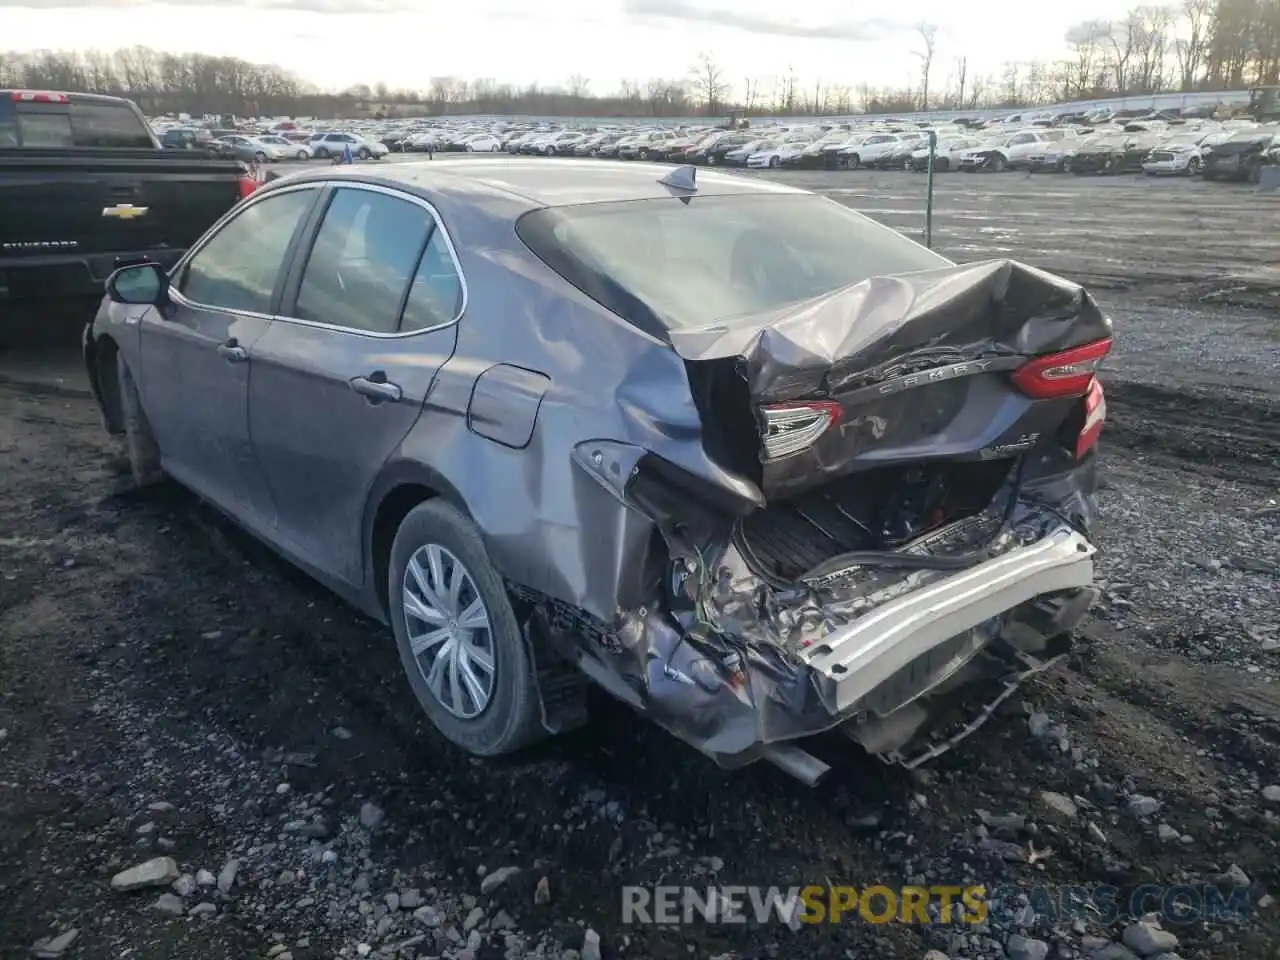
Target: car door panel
337, 384
195, 352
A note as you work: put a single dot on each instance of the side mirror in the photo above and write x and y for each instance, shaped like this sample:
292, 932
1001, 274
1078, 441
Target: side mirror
140, 284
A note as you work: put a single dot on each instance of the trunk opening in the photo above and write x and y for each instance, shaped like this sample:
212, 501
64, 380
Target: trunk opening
881, 509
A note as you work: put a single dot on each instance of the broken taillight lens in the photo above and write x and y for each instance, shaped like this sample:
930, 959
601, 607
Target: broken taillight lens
789, 428
1067, 373
1095, 415
248, 184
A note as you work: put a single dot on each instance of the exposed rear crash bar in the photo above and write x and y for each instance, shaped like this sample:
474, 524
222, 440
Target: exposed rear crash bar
854, 660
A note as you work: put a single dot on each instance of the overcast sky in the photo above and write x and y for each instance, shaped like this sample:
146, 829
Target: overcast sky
406, 42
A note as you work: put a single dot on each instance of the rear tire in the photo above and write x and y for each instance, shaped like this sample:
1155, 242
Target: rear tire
510, 717
301, 155
322, 153
853, 162
363, 153
140, 443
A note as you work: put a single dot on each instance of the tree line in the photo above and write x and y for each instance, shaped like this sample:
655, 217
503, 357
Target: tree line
1199, 45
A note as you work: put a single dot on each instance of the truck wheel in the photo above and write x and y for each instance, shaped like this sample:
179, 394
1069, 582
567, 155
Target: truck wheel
461, 646
140, 442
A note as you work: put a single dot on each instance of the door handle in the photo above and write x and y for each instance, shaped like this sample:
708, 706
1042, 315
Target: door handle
232, 352
377, 389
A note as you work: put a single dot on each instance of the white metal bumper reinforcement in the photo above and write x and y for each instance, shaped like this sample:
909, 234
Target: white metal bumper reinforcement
854, 660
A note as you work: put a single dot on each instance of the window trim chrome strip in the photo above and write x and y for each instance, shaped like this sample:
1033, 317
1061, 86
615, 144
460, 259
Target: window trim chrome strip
321, 184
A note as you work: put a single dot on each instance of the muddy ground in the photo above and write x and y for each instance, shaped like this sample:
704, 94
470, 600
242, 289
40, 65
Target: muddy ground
169, 688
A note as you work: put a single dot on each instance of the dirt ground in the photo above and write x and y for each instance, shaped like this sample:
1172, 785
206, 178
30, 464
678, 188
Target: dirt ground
170, 688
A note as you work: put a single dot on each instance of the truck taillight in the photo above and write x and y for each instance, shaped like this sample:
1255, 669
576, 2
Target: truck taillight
789, 428
1095, 415
1067, 373
248, 184
39, 96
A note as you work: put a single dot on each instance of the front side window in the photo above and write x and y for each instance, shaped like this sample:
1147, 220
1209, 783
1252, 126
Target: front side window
364, 256
238, 268
666, 263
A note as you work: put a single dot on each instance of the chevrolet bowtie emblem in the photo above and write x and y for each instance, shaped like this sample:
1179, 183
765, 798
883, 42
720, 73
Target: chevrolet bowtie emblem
125, 211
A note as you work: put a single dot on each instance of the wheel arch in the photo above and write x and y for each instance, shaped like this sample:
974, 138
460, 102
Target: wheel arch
101, 353
399, 488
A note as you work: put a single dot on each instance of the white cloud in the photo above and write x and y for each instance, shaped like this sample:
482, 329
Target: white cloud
406, 42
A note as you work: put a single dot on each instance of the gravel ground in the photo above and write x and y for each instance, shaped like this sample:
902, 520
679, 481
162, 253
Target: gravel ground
170, 689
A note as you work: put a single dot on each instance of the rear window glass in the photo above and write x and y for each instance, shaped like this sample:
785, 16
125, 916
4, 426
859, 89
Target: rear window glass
76, 125
108, 125
666, 263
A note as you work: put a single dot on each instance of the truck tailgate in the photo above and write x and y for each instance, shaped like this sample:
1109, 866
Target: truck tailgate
100, 201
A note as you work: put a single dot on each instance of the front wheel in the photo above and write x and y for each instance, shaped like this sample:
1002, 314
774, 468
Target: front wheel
998, 163
322, 153
853, 162
301, 154
459, 641
363, 154
774, 162
1193, 166
259, 157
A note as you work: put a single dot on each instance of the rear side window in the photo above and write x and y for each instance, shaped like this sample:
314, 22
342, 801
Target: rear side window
436, 295
238, 268
365, 254
667, 263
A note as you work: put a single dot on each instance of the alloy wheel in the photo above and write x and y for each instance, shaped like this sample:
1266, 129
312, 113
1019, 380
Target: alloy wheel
449, 632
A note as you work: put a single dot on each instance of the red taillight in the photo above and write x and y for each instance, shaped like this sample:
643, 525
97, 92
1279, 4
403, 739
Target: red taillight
789, 428
248, 184
39, 96
1064, 374
1095, 415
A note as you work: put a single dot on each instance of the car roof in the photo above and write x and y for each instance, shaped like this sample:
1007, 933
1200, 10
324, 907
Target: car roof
549, 182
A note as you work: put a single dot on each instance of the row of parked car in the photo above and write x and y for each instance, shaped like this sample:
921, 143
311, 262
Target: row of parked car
1164, 144
1159, 146
273, 145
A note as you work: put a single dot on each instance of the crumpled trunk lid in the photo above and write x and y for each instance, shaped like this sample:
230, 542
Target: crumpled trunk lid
905, 368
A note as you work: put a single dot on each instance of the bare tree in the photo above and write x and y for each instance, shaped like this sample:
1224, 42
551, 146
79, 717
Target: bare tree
928, 39
1084, 39
750, 93
1122, 40
578, 86
962, 74
1190, 48
709, 84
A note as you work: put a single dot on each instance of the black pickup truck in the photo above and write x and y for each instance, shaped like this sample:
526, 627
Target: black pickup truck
85, 186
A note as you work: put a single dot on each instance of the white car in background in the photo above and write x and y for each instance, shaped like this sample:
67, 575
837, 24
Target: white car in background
289, 149
871, 150
945, 156
777, 154
332, 144
482, 143
1176, 157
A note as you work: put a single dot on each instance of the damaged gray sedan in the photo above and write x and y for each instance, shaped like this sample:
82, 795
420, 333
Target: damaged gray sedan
756, 465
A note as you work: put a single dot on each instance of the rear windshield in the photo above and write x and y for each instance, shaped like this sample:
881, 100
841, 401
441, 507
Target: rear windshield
664, 264
74, 125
